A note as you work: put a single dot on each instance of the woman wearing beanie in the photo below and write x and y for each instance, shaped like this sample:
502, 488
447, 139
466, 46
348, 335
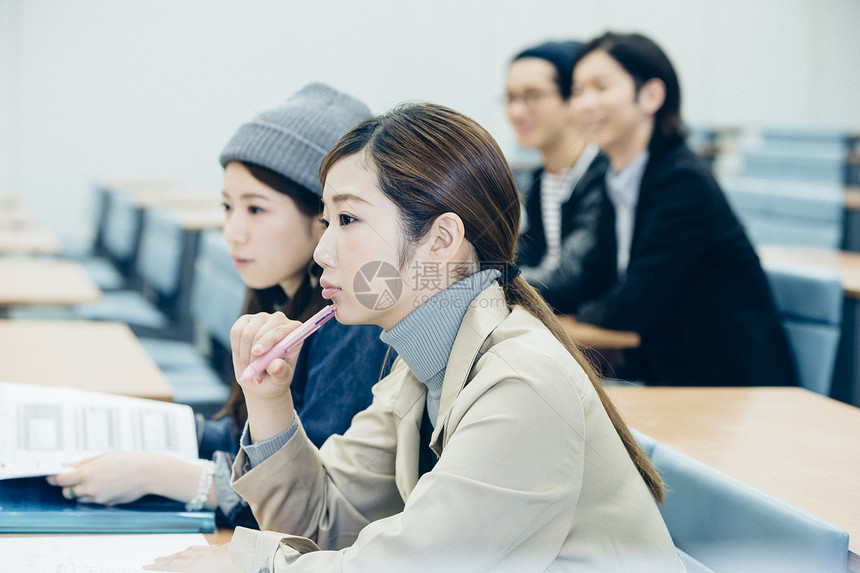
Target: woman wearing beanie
271, 197
491, 446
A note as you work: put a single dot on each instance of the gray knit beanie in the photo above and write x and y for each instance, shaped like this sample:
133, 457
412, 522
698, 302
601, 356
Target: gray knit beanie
293, 139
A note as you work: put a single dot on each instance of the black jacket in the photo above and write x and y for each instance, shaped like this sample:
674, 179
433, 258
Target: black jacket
585, 271
694, 288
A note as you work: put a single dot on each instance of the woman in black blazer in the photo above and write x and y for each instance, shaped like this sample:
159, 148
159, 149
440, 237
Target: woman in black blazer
689, 281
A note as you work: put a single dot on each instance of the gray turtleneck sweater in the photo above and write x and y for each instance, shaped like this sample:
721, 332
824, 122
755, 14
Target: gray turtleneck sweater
425, 337
423, 340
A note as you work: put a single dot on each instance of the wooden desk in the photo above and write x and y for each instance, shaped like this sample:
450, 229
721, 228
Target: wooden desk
592, 336
845, 263
194, 212
851, 226
100, 356
200, 218
852, 198
789, 442
603, 348
31, 240
182, 199
25, 281
219, 537
7, 202
142, 188
175, 196
17, 219
147, 193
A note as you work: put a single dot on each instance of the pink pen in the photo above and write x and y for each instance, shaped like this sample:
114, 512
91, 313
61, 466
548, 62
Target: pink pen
289, 342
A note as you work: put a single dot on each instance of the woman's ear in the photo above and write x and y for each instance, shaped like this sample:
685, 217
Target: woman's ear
447, 238
651, 96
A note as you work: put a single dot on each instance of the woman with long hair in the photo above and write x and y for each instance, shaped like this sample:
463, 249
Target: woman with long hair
491, 445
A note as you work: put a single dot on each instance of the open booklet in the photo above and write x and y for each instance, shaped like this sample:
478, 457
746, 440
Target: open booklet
44, 429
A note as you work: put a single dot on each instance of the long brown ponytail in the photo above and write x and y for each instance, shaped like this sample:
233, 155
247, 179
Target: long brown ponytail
432, 160
519, 292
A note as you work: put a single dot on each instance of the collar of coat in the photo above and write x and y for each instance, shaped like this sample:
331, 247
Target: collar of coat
486, 312
483, 316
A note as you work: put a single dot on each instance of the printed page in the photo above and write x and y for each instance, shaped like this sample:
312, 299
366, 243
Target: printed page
43, 429
90, 553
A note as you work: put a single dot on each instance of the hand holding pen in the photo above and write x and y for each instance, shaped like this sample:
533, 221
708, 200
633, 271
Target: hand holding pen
288, 343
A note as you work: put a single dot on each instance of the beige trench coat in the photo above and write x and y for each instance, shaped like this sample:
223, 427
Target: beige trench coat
531, 476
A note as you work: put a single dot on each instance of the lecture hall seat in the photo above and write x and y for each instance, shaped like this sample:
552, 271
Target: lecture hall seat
199, 372
810, 302
788, 213
728, 526
799, 154
158, 305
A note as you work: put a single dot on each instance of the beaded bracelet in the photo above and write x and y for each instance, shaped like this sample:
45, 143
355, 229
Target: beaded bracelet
203, 486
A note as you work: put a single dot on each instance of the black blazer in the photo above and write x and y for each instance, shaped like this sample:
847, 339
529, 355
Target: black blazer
694, 288
585, 270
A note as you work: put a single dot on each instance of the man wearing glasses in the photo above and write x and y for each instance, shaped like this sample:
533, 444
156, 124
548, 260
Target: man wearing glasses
564, 200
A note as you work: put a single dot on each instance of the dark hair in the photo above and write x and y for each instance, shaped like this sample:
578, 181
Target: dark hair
644, 60
306, 300
432, 160
561, 55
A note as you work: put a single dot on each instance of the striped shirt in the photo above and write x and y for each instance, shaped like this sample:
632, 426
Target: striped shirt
555, 191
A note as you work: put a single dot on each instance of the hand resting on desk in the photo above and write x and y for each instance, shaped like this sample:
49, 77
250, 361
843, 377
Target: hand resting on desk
198, 559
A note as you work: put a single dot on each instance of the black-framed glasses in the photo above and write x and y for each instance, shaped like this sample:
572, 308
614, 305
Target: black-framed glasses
529, 97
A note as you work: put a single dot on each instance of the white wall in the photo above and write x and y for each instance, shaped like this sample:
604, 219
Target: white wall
91, 89
7, 78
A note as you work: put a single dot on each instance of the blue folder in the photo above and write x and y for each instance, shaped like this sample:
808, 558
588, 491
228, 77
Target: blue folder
32, 505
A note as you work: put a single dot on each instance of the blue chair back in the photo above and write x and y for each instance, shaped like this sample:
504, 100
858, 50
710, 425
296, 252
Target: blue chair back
218, 292
810, 303
705, 142
648, 445
162, 243
646, 442
795, 154
788, 213
835, 140
122, 230
730, 526
810, 164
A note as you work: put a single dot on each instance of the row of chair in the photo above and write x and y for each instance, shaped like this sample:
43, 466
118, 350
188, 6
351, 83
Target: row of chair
811, 155
786, 212
790, 191
174, 286
787, 185
200, 371
719, 523
810, 302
